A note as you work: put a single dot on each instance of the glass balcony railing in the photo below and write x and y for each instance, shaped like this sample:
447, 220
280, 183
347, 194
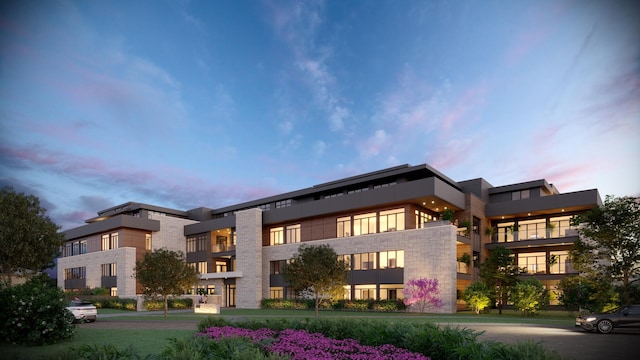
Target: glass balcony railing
218, 248
535, 234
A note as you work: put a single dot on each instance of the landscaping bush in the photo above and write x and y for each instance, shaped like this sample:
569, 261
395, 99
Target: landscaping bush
172, 303
102, 351
351, 305
35, 313
477, 296
530, 296
423, 337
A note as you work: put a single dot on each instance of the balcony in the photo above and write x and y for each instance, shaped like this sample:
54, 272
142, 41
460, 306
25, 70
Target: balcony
516, 239
221, 248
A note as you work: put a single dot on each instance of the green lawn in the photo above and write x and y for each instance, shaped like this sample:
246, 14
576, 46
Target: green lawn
145, 342
153, 341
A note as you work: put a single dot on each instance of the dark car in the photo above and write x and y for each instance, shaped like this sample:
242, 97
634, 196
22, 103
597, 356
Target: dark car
604, 323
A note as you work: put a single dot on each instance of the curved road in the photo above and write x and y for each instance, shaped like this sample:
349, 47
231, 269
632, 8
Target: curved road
570, 343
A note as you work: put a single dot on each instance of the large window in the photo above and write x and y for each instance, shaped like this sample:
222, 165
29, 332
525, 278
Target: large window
109, 269
344, 226
191, 244
276, 236
532, 229
276, 267
202, 267
559, 262
422, 218
364, 224
391, 291
289, 234
392, 259
392, 220
365, 292
533, 263
75, 273
558, 226
365, 261
110, 241
505, 232
276, 292
293, 234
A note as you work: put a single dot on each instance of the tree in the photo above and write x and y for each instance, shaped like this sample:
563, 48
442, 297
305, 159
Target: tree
609, 245
529, 296
164, 272
500, 271
35, 313
29, 240
582, 292
422, 292
477, 296
316, 268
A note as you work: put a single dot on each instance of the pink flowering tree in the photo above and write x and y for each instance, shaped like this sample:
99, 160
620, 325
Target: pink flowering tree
422, 292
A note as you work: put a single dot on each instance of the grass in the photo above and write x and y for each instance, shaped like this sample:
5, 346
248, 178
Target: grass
154, 341
145, 342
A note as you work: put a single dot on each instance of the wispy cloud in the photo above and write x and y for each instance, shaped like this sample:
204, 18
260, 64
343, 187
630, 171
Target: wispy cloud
167, 186
298, 25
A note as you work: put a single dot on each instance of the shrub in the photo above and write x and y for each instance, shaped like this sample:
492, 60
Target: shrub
101, 351
530, 296
172, 303
352, 305
422, 292
424, 338
477, 296
35, 313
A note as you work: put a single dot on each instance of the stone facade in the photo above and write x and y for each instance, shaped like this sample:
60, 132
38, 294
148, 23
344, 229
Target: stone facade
429, 252
249, 259
171, 234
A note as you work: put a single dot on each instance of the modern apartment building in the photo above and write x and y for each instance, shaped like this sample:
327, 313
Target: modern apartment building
387, 224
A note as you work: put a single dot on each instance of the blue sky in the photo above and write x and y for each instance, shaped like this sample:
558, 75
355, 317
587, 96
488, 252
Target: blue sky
185, 104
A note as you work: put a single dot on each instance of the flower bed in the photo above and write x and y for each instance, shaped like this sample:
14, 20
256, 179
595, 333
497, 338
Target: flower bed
300, 344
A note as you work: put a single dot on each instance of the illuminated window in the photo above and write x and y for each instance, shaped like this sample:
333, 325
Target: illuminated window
365, 261
533, 263
202, 267
109, 241
505, 232
191, 244
293, 234
276, 292
422, 218
364, 224
392, 220
392, 259
276, 236
221, 266
559, 262
344, 226
147, 241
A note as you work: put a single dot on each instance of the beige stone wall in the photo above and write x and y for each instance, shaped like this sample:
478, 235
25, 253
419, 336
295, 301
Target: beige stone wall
124, 257
249, 259
428, 252
171, 234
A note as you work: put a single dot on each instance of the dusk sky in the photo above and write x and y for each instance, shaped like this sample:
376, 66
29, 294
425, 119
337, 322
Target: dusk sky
183, 104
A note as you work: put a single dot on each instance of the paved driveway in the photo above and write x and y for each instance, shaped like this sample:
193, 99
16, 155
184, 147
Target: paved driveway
569, 342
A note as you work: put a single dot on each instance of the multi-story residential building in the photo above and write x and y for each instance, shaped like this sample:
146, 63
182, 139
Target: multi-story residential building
385, 224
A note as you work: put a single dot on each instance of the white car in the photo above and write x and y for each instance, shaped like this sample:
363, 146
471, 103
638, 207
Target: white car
83, 311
